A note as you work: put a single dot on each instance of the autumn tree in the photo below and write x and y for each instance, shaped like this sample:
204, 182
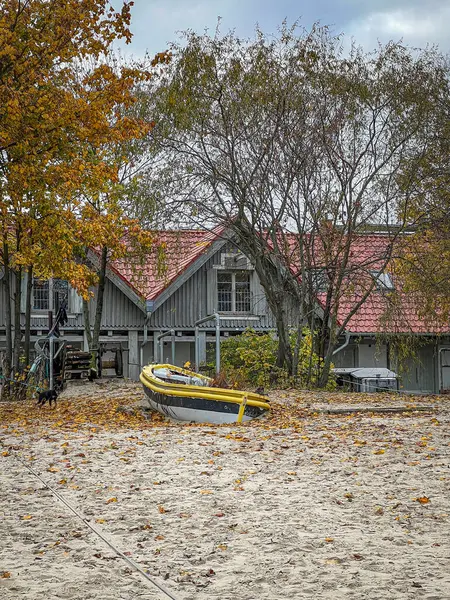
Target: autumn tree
423, 258
50, 119
108, 211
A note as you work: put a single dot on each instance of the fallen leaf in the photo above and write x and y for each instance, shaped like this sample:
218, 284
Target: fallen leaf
329, 539
381, 451
5, 574
114, 499
423, 500
26, 517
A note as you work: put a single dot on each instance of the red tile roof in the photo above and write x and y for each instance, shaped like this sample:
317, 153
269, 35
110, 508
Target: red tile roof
380, 315
381, 312
173, 252
176, 250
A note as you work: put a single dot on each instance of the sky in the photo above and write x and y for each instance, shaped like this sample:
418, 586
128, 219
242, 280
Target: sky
418, 23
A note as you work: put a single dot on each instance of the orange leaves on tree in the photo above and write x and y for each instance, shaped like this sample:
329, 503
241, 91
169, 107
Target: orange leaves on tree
59, 125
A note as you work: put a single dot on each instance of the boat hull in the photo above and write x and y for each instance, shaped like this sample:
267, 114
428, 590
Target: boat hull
198, 403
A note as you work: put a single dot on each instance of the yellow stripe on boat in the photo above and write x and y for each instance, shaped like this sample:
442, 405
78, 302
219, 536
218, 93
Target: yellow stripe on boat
182, 390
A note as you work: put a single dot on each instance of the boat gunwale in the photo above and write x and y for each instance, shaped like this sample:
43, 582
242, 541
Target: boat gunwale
194, 391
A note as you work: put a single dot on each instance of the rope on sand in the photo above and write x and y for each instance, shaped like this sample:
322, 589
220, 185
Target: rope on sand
130, 561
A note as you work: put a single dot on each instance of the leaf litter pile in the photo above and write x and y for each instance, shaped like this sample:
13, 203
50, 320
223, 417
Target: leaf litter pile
299, 504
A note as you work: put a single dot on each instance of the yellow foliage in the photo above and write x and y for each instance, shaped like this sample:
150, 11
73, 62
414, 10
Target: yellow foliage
60, 121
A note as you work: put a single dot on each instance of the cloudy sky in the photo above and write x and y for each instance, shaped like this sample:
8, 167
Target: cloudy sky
155, 23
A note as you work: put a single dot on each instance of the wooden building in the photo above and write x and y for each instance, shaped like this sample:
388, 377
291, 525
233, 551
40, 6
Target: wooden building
150, 312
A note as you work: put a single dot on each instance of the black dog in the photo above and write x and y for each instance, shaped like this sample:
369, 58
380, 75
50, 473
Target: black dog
47, 396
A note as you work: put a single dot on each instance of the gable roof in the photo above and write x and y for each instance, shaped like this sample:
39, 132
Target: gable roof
179, 253
174, 252
382, 311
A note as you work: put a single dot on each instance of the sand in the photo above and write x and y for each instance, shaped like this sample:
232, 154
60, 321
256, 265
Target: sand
301, 505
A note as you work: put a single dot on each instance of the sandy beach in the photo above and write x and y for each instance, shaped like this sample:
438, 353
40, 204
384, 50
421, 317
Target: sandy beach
302, 504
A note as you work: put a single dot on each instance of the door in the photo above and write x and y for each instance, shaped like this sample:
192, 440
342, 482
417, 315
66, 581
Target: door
444, 370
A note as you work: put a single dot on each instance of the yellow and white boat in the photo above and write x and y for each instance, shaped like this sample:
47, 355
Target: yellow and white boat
187, 396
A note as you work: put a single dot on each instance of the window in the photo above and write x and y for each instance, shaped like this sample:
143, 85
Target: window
50, 294
40, 295
233, 290
383, 280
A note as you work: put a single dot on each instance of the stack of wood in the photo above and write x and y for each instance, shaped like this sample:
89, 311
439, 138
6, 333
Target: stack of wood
76, 364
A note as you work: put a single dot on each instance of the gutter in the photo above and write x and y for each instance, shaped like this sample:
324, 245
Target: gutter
149, 306
345, 344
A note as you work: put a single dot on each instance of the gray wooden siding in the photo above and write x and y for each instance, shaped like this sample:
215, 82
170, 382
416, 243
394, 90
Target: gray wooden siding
2, 304
119, 312
348, 357
3, 300
420, 374
190, 303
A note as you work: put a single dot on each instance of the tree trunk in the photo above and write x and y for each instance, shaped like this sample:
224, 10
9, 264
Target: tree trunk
28, 316
309, 376
325, 375
284, 356
87, 323
17, 327
277, 306
298, 345
7, 363
331, 342
93, 337
100, 297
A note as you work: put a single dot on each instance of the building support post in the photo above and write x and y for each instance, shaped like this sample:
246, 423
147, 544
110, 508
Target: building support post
133, 355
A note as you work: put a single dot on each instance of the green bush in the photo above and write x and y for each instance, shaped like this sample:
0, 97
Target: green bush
250, 359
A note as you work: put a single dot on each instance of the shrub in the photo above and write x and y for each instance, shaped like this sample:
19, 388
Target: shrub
250, 359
